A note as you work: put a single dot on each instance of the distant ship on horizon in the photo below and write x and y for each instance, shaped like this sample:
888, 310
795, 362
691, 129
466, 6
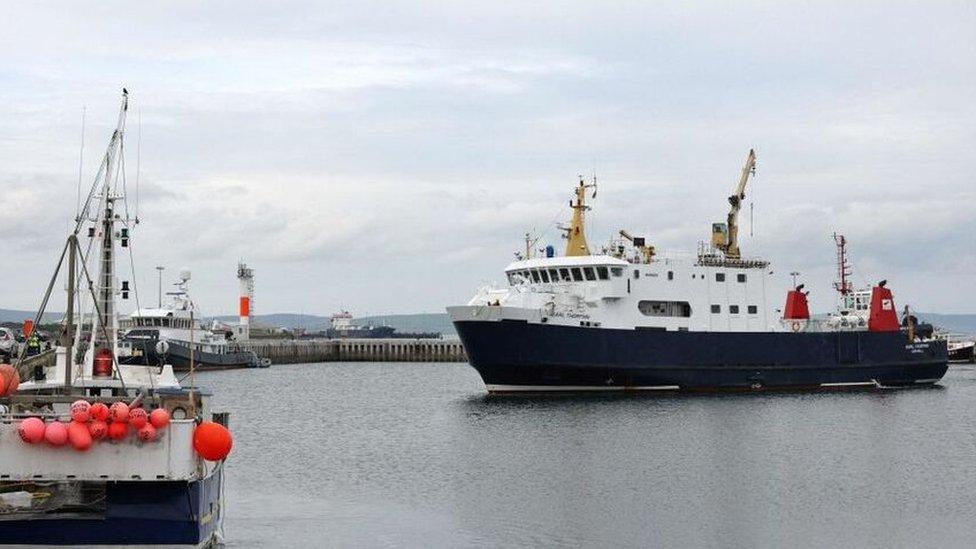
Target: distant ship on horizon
341, 326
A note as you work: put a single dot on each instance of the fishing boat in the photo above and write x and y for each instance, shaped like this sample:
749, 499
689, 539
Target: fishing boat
173, 333
95, 452
630, 318
962, 349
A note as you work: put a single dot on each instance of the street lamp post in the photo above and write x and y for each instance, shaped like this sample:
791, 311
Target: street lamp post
160, 269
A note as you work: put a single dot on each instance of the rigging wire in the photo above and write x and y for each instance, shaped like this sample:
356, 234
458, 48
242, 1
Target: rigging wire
81, 162
138, 162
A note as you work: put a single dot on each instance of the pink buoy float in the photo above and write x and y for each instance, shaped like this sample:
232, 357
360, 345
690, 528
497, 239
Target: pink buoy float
138, 418
56, 433
79, 436
81, 411
118, 431
31, 430
98, 429
119, 412
159, 418
99, 411
147, 433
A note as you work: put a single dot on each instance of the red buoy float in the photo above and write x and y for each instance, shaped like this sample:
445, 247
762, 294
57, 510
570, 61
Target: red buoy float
119, 412
138, 418
212, 441
117, 431
99, 411
147, 433
79, 436
81, 411
9, 380
98, 429
31, 430
159, 418
56, 433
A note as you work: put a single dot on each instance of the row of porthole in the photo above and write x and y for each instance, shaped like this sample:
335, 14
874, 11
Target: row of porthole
734, 309
719, 277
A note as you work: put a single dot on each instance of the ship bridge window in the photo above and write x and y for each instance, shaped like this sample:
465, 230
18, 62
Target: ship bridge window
741, 277
617, 271
535, 276
601, 273
554, 275
577, 274
665, 308
590, 275
544, 274
564, 273
719, 277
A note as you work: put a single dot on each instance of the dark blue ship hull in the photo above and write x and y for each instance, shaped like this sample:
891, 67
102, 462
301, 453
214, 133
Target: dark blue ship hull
521, 356
133, 513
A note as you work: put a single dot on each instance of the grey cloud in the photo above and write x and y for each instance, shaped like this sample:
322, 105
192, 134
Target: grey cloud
389, 156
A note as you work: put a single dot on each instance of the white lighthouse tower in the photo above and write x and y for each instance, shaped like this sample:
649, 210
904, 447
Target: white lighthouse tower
245, 276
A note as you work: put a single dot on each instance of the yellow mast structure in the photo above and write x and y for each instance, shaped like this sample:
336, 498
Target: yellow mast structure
725, 237
576, 232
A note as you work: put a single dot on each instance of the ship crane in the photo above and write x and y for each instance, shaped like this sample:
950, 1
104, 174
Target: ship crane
725, 236
647, 252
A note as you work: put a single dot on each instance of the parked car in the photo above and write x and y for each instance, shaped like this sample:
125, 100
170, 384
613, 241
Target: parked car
8, 342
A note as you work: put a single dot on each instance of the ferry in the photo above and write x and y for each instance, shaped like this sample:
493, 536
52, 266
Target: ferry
629, 318
95, 452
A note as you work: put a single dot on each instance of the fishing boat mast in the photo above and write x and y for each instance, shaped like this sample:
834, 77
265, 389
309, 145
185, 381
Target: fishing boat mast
105, 325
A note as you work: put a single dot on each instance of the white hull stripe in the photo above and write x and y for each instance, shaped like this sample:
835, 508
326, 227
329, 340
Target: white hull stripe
557, 388
850, 384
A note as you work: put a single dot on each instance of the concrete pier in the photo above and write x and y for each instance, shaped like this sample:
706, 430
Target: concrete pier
292, 351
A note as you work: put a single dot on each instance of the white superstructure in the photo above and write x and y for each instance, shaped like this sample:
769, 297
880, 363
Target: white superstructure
668, 293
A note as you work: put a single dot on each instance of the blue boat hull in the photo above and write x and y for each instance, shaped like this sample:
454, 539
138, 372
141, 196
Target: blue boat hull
515, 355
136, 513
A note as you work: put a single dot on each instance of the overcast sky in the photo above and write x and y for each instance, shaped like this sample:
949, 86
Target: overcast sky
387, 157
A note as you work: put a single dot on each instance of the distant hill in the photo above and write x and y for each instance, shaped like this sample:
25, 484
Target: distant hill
964, 324
11, 315
441, 323
420, 322
283, 320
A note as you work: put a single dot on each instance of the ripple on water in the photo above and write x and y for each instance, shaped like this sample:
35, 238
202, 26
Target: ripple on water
368, 454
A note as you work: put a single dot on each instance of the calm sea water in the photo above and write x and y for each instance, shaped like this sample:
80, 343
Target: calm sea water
417, 455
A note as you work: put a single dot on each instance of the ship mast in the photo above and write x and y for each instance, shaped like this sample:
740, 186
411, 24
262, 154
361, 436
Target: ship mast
105, 321
843, 285
576, 232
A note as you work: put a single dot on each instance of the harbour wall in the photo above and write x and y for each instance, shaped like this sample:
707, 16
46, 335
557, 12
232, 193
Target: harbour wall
292, 351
